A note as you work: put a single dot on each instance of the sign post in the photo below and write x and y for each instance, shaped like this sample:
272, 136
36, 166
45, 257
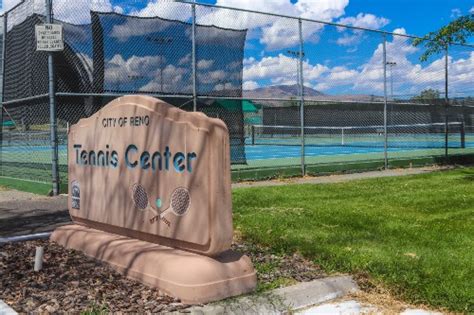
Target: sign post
150, 193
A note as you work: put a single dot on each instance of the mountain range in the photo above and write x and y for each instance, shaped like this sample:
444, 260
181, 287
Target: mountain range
291, 91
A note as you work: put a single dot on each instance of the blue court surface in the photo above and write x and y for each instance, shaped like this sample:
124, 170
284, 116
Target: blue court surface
279, 151
267, 152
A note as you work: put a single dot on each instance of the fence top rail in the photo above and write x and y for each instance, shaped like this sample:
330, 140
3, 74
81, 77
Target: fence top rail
5, 13
454, 123
311, 20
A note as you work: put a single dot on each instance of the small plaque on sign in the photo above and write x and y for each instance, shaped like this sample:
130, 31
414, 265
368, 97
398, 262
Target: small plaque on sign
49, 37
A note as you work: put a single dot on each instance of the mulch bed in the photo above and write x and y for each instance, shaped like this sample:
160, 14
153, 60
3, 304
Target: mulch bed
73, 282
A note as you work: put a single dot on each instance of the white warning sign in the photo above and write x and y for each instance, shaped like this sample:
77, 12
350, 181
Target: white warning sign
49, 37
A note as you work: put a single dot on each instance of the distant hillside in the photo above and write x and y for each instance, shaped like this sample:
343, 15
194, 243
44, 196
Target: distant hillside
288, 91
280, 91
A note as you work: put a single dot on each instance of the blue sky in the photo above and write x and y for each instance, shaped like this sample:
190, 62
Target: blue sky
418, 17
337, 61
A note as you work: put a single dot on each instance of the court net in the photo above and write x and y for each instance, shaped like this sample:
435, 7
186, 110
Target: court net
431, 135
30, 138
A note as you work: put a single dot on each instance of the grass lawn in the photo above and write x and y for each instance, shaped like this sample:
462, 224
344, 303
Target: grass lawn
414, 234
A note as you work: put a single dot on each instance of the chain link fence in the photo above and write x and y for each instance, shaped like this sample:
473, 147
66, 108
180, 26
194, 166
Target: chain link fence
298, 96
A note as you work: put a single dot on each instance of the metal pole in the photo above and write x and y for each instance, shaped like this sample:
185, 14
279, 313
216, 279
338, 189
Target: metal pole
391, 80
2, 86
385, 134
161, 71
301, 91
446, 100
52, 109
194, 56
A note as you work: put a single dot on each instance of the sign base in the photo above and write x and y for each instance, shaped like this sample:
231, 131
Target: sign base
191, 277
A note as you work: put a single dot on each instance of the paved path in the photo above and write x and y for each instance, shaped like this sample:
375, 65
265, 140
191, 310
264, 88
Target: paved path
24, 213
343, 177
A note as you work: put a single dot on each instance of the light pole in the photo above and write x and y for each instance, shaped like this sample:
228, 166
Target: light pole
160, 41
391, 64
296, 54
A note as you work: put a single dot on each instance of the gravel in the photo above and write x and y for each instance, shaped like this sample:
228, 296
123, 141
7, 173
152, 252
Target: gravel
73, 282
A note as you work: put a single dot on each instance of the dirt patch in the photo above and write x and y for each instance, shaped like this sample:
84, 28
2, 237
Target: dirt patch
72, 282
381, 298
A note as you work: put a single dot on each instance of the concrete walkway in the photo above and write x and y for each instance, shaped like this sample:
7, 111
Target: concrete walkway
331, 295
24, 213
5, 309
279, 301
327, 179
351, 307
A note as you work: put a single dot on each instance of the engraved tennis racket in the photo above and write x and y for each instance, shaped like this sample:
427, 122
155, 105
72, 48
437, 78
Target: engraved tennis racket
140, 199
179, 205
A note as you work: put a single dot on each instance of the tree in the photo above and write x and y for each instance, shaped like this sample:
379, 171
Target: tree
458, 31
427, 95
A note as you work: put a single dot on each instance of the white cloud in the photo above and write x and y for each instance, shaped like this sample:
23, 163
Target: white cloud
78, 11
275, 33
212, 76
75, 12
173, 79
321, 87
352, 37
225, 87
119, 70
8, 4
364, 20
410, 76
185, 60
280, 69
165, 9
349, 40
341, 73
250, 85
455, 13
471, 10
204, 64
137, 27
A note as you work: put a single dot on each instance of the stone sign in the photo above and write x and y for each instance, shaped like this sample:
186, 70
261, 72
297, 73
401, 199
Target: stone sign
148, 172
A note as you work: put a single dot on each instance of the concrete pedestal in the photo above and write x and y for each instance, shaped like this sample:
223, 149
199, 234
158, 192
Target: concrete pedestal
191, 277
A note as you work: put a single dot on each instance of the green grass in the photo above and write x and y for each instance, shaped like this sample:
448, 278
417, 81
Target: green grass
29, 186
414, 234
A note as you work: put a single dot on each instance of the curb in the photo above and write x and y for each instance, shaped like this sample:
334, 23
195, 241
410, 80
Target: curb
5, 309
284, 300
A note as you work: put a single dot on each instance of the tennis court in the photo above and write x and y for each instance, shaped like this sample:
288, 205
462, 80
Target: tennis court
28, 154
276, 142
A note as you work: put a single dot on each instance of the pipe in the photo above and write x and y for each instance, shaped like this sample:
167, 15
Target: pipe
23, 238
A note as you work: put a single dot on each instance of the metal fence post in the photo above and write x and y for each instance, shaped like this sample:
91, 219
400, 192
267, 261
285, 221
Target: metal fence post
52, 108
193, 8
385, 133
2, 85
301, 92
446, 100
